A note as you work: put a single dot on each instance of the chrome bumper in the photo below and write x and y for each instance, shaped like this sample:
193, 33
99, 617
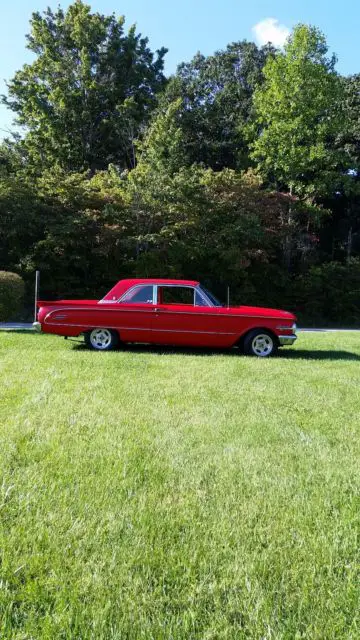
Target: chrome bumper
287, 340
37, 326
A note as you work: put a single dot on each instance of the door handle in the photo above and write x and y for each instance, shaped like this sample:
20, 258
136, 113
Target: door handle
157, 310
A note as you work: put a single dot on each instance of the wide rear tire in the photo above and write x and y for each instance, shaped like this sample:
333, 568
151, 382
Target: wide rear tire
260, 343
101, 339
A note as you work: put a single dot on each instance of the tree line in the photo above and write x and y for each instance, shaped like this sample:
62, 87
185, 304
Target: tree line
241, 169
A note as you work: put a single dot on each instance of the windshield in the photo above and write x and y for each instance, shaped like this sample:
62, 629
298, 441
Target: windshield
214, 301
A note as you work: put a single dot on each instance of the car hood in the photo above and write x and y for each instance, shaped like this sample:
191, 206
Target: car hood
262, 311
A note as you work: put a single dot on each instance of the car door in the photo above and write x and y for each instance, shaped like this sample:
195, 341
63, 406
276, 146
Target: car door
182, 319
134, 314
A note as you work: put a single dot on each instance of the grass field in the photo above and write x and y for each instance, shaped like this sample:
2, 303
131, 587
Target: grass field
151, 494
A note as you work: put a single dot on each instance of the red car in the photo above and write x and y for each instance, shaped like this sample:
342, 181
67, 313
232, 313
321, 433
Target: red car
172, 312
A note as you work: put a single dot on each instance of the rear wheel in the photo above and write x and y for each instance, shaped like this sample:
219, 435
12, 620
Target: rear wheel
102, 339
260, 343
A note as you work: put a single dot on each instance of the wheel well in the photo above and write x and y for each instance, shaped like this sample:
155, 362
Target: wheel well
240, 342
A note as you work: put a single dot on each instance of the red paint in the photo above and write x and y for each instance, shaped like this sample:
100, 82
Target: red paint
174, 324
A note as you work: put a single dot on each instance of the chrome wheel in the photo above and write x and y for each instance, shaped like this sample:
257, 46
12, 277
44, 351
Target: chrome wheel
262, 345
101, 339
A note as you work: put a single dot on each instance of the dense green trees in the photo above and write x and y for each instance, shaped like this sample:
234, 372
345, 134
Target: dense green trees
216, 103
89, 91
241, 169
298, 114
11, 294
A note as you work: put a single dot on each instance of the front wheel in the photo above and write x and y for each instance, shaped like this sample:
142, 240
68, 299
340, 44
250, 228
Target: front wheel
102, 339
260, 343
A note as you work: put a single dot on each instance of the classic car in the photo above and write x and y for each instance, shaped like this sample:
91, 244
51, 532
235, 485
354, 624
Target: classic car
172, 312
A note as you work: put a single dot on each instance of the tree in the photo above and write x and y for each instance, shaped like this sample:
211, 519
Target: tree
350, 133
160, 192
216, 98
72, 227
81, 245
194, 222
298, 115
163, 147
89, 92
297, 119
21, 220
341, 234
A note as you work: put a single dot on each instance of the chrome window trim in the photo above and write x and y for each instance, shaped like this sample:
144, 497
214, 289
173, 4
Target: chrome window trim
203, 296
138, 286
196, 289
207, 299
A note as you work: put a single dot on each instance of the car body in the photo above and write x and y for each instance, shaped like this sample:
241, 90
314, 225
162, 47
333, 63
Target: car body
166, 311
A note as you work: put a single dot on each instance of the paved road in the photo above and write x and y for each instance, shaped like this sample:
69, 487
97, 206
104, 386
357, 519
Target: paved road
6, 326
327, 330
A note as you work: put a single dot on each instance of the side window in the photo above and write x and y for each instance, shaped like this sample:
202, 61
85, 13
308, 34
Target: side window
176, 295
199, 300
142, 295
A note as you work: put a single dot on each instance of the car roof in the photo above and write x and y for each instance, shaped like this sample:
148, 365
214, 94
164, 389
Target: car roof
132, 281
123, 286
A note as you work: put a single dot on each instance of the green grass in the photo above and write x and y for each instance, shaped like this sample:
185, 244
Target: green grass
173, 495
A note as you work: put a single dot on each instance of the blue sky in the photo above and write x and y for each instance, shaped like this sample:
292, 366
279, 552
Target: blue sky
188, 26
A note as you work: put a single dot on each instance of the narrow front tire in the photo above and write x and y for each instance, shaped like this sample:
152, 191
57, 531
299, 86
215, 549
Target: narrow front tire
260, 343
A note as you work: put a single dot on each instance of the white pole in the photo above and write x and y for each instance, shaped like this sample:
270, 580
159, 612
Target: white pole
37, 286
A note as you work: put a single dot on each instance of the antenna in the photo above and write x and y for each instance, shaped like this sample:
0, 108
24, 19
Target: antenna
228, 297
37, 286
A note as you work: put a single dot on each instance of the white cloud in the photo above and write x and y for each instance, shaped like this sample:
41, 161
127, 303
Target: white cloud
270, 30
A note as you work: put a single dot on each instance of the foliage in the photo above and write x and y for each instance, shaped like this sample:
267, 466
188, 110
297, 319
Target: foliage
11, 294
298, 113
79, 248
89, 91
330, 293
216, 103
185, 215
343, 229
350, 133
64, 224
22, 220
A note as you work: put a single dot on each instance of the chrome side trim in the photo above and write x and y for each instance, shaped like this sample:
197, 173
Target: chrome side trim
152, 310
218, 315
69, 309
285, 340
285, 327
215, 333
91, 326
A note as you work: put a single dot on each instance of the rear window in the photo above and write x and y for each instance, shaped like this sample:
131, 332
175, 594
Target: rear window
142, 295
